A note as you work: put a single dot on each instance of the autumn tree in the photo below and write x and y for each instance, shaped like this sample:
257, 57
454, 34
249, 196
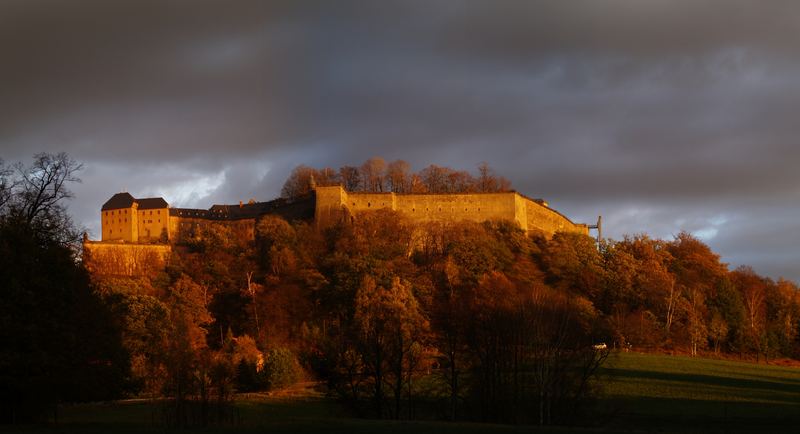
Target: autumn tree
350, 177
728, 326
533, 359
187, 359
782, 318
299, 182
145, 325
390, 328
696, 325
398, 176
275, 239
434, 178
449, 319
697, 272
373, 174
327, 176
574, 264
753, 289
619, 298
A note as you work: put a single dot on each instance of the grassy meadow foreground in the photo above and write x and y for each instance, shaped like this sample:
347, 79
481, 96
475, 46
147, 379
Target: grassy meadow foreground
642, 393
676, 393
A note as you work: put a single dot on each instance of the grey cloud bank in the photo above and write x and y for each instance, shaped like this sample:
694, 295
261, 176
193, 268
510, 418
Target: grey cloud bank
662, 116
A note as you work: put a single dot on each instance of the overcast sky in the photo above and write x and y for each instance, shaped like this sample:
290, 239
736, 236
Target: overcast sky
662, 116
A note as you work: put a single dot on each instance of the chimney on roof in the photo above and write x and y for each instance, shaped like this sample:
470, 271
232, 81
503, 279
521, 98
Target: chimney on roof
240, 204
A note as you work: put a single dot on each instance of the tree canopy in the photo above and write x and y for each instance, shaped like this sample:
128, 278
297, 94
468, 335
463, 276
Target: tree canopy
377, 176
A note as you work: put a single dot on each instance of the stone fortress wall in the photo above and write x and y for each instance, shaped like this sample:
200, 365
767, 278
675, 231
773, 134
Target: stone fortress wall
125, 219
124, 259
533, 216
137, 234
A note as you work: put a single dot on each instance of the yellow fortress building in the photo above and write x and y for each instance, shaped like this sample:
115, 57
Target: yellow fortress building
137, 235
126, 219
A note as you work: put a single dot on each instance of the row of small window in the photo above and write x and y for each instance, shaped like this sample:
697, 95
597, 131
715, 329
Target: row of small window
125, 220
414, 209
111, 231
125, 211
440, 209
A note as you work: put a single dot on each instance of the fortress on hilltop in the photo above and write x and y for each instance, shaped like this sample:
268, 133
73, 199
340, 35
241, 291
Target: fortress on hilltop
151, 220
137, 233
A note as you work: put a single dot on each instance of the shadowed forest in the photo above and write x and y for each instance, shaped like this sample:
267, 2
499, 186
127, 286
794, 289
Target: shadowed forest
465, 321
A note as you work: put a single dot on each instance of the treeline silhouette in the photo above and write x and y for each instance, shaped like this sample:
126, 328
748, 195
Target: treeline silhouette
60, 341
377, 176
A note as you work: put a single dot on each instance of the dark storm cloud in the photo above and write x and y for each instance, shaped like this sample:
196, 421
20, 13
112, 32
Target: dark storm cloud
661, 115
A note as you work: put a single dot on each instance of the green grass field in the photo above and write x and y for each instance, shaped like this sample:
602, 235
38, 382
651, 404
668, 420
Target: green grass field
642, 393
700, 395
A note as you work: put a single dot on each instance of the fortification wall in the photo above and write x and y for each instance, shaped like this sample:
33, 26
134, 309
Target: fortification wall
124, 259
368, 201
546, 221
455, 207
521, 211
329, 205
332, 203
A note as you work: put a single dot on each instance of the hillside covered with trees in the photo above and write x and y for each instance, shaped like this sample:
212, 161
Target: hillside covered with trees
464, 321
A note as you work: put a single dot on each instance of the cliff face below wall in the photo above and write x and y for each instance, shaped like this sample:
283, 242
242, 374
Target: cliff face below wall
124, 259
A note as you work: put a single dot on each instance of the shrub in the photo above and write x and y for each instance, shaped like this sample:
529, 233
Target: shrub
281, 368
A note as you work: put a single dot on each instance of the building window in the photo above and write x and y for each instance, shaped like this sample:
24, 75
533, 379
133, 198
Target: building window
158, 212
151, 212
